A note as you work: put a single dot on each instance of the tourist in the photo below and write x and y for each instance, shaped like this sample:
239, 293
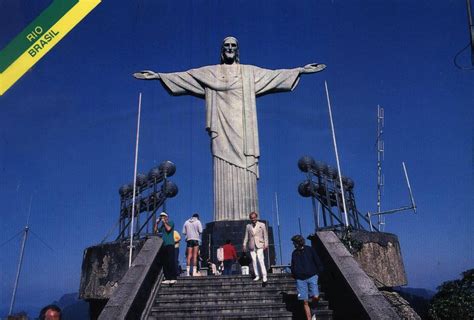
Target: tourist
192, 229
305, 268
211, 267
256, 238
244, 262
167, 253
177, 239
229, 256
50, 312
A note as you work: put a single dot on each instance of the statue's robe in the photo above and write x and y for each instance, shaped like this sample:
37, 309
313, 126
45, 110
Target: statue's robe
231, 120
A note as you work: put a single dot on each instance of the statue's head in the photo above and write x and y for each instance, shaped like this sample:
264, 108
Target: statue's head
230, 51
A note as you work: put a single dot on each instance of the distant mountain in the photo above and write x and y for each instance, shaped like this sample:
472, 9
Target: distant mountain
418, 298
420, 292
30, 310
73, 308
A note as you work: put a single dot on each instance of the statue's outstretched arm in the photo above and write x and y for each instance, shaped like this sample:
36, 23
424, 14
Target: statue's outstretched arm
313, 67
146, 75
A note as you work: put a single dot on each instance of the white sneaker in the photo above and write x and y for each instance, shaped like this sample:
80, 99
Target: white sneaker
166, 281
173, 281
264, 279
313, 317
256, 278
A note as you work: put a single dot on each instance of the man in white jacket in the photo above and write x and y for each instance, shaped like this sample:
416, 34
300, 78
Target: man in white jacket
192, 229
256, 237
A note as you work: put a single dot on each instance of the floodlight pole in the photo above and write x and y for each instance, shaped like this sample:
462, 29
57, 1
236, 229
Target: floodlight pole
346, 221
135, 180
318, 222
315, 211
278, 225
471, 29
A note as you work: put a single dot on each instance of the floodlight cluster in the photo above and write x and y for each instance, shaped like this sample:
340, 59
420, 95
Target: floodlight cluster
151, 192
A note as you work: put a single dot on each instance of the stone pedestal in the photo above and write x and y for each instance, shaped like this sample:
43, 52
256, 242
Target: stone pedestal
103, 266
216, 233
381, 258
347, 286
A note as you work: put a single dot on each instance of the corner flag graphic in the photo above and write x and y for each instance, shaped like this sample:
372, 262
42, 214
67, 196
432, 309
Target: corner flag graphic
39, 37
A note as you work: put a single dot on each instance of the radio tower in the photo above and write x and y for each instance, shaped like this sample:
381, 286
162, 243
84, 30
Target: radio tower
380, 158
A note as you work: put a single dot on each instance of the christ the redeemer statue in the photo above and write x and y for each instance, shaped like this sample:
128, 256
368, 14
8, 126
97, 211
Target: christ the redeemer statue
230, 90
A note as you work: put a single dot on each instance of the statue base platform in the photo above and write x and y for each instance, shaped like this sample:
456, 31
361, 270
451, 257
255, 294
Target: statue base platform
216, 233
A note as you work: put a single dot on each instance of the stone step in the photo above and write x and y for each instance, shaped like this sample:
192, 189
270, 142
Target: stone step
230, 302
222, 311
214, 287
217, 285
186, 292
244, 307
232, 297
173, 292
235, 277
165, 289
253, 316
231, 316
185, 281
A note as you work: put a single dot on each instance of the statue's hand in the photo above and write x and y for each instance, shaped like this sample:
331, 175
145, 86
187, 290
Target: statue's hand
146, 75
313, 67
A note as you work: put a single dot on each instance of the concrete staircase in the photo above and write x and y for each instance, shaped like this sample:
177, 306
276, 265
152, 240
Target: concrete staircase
230, 297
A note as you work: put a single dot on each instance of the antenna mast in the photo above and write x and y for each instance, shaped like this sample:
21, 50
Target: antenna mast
380, 157
20, 261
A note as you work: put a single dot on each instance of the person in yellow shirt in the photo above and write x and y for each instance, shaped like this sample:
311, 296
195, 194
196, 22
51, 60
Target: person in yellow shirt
177, 239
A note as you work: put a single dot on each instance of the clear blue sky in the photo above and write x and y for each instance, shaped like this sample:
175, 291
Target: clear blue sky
67, 127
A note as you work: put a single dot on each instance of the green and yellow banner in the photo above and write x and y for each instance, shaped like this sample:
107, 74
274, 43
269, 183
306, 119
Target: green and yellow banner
39, 37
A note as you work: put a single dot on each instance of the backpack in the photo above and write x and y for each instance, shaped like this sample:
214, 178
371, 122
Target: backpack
220, 254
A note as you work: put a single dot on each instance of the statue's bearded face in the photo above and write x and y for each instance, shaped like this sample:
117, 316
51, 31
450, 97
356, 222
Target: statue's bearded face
229, 50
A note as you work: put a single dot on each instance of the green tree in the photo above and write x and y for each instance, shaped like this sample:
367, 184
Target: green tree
454, 299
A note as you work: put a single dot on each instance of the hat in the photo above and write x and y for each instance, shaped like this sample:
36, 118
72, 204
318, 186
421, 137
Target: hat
163, 214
